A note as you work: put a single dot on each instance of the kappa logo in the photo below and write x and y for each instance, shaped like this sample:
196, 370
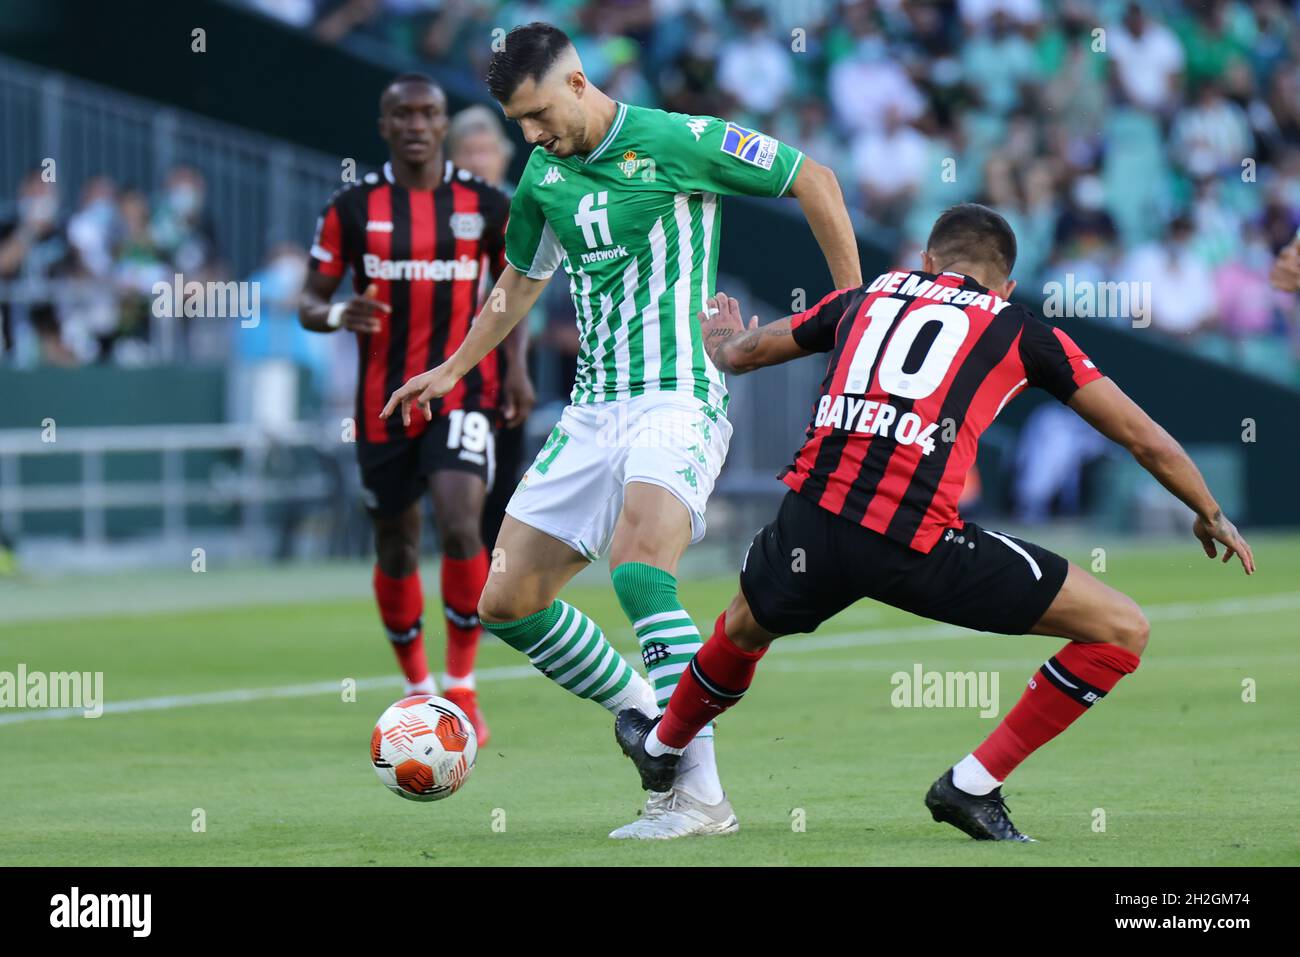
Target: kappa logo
697, 125
467, 225
552, 176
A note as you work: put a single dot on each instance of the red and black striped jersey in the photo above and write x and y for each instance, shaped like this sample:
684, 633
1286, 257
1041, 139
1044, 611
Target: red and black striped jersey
920, 366
426, 252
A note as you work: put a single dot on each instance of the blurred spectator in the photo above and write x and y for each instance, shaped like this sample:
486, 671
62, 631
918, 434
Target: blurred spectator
90, 319
997, 62
1148, 60
1246, 303
868, 81
1213, 135
755, 68
477, 141
1051, 452
139, 265
1182, 293
180, 228
277, 334
33, 251
889, 163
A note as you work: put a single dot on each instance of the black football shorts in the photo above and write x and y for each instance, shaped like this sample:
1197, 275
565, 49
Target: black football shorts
810, 564
395, 474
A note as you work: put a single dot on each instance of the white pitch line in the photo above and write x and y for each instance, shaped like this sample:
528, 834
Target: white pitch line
1173, 611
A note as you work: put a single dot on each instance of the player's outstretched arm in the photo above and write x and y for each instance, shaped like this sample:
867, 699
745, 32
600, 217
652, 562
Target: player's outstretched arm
736, 348
822, 201
1106, 408
509, 301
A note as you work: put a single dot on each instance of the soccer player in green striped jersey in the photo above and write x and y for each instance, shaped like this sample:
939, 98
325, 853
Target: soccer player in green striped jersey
627, 201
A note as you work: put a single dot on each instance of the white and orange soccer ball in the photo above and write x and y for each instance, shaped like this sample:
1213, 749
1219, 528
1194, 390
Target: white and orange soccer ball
423, 748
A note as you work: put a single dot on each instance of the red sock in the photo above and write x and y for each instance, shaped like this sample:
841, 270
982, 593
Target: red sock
462, 585
1063, 689
401, 603
715, 679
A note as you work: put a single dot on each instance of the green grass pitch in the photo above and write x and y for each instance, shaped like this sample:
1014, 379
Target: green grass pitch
1184, 771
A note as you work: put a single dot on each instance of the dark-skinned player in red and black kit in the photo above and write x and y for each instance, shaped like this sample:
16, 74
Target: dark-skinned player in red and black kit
873, 502
417, 238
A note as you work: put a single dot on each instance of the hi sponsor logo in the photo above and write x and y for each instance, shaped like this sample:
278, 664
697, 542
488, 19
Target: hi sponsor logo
75, 909
74, 690
919, 688
208, 300
1086, 299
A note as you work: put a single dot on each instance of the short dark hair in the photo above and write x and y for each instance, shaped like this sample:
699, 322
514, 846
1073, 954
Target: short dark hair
971, 233
404, 78
529, 51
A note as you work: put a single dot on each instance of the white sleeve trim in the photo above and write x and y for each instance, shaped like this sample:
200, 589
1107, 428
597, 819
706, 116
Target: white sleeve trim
793, 171
547, 259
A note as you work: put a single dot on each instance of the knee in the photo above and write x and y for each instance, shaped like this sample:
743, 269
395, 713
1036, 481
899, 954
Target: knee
461, 537
397, 551
497, 605
1131, 631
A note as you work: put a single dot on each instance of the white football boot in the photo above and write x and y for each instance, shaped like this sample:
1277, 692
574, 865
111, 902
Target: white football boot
675, 813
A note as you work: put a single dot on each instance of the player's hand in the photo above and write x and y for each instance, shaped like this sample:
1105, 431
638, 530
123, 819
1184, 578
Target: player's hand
1219, 529
519, 396
420, 390
1285, 274
720, 321
362, 313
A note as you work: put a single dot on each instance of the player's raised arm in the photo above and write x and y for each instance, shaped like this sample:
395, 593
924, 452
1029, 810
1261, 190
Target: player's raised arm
509, 301
822, 202
1106, 408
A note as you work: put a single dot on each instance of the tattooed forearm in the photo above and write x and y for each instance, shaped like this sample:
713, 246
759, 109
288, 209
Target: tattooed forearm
732, 350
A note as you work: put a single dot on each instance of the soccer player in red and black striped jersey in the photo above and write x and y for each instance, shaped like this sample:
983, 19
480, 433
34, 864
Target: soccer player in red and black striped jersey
417, 239
920, 365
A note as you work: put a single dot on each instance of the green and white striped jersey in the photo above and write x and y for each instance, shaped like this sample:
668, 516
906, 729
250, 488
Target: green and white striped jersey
636, 225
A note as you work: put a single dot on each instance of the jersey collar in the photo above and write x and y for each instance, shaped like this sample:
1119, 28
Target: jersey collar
610, 134
388, 172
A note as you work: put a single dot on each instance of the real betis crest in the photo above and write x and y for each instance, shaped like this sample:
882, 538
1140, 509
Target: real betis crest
631, 164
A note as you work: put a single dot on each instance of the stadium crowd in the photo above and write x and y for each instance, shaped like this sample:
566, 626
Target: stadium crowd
1156, 142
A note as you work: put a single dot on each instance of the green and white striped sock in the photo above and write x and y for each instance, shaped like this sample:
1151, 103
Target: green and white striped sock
570, 649
668, 636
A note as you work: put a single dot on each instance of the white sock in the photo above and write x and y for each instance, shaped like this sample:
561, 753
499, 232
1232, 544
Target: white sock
656, 748
972, 777
427, 686
466, 682
638, 694
697, 774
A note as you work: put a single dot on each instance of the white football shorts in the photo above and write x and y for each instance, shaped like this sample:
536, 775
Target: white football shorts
573, 491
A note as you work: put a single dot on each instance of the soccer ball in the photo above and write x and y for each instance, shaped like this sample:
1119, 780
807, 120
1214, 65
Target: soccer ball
423, 748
